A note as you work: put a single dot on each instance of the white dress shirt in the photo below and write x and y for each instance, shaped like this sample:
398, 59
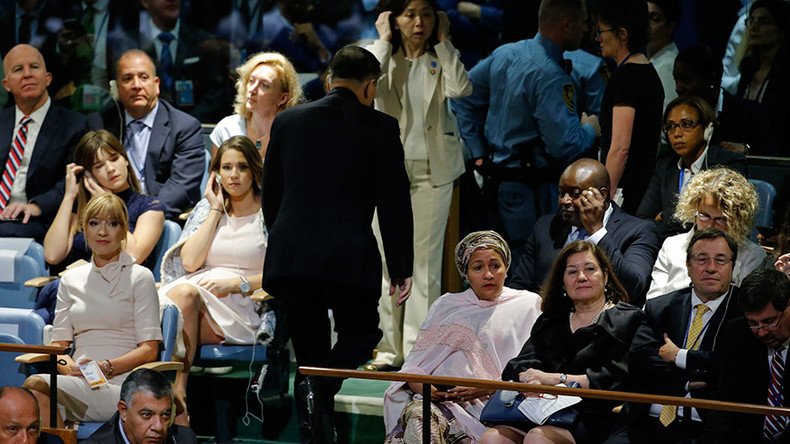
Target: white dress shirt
33, 129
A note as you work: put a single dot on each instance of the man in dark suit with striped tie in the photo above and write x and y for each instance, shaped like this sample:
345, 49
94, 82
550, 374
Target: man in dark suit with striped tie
37, 138
754, 362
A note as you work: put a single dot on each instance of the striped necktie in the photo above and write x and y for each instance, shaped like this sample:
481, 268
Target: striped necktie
15, 156
775, 424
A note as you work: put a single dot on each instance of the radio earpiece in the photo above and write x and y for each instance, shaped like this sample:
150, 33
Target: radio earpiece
708, 133
218, 179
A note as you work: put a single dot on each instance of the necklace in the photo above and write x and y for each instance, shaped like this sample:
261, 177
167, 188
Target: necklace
605, 307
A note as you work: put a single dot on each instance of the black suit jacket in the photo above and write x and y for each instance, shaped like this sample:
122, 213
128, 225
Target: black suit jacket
176, 155
662, 192
60, 131
630, 242
110, 433
743, 378
670, 314
329, 165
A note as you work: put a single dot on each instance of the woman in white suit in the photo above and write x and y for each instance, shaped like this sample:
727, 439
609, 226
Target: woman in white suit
421, 72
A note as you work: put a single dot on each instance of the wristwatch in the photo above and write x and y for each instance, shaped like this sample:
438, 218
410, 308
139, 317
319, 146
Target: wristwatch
563, 378
244, 286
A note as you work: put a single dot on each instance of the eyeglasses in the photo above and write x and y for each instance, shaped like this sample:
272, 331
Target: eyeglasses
762, 21
703, 259
720, 220
686, 125
767, 326
600, 31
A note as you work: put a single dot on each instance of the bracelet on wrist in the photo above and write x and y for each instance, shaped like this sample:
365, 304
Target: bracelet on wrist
216, 209
109, 367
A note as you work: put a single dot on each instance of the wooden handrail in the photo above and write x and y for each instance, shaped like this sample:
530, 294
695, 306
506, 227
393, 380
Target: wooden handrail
25, 348
53, 351
610, 395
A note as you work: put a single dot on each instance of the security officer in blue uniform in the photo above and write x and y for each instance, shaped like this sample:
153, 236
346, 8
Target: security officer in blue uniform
521, 123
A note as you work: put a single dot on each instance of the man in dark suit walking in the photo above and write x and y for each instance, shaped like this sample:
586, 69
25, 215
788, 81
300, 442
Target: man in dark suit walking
587, 212
165, 145
37, 138
754, 363
329, 165
674, 349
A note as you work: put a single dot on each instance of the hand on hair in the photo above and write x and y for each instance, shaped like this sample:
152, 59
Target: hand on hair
442, 26
383, 26
72, 188
213, 193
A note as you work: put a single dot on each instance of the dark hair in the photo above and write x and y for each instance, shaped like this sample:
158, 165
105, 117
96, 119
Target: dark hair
762, 286
147, 380
779, 10
551, 11
670, 9
552, 291
244, 145
710, 234
705, 113
354, 63
630, 15
397, 7
85, 154
702, 61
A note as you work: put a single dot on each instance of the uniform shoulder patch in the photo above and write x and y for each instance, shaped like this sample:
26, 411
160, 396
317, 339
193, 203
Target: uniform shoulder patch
568, 96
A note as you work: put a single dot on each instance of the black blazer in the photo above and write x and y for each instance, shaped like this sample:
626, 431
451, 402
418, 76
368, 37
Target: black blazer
110, 433
662, 193
670, 314
176, 155
743, 378
631, 243
329, 165
599, 351
46, 174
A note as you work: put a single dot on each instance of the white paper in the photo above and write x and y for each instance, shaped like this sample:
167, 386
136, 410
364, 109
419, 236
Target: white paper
93, 374
538, 410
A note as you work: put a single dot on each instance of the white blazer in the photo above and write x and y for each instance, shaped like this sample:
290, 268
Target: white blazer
448, 80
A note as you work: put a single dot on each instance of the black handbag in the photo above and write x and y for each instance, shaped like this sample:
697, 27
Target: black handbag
502, 409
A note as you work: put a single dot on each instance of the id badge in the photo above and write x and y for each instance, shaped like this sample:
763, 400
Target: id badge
93, 374
184, 93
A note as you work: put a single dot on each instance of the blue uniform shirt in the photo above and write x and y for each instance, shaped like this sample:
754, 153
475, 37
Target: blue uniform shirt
589, 78
521, 94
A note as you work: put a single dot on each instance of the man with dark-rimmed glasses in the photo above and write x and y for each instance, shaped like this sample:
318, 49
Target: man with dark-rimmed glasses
753, 362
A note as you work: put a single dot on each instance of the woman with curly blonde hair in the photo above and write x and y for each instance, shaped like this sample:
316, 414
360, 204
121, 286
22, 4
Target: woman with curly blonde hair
267, 84
721, 198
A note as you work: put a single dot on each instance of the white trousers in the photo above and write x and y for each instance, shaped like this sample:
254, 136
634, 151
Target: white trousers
431, 208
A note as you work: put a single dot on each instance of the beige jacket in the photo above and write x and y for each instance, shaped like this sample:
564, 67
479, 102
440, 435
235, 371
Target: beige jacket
448, 80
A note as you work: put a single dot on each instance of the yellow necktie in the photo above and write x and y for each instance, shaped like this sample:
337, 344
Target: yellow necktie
669, 412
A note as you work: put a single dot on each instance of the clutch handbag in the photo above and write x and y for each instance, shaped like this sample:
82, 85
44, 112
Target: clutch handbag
502, 409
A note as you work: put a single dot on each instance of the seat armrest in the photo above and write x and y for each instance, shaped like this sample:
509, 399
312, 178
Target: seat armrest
162, 366
39, 282
32, 358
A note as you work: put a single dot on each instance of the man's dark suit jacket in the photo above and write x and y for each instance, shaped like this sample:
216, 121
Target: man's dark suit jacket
662, 192
176, 155
329, 165
60, 131
631, 243
743, 378
650, 374
110, 433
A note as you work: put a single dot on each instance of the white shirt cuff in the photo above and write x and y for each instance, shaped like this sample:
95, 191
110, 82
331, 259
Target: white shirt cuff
680, 359
597, 236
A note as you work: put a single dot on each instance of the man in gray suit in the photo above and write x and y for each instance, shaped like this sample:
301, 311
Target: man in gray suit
165, 145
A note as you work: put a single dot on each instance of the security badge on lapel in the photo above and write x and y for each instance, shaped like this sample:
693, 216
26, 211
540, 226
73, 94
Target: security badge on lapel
568, 96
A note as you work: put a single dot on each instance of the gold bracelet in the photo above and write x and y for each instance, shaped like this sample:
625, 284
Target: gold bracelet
109, 367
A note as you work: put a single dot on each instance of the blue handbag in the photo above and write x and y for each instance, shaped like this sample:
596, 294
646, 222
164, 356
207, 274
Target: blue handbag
502, 409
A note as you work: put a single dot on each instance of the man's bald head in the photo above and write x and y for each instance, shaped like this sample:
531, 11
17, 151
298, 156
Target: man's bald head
589, 171
19, 416
26, 77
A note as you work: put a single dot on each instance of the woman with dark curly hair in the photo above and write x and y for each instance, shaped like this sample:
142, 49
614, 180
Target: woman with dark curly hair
583, 336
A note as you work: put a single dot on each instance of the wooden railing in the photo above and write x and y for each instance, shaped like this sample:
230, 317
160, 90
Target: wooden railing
53, 352
428, 380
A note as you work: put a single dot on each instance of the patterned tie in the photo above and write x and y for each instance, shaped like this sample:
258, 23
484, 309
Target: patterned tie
15, 156
670, 412
775, 424
136, 153
166, 60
